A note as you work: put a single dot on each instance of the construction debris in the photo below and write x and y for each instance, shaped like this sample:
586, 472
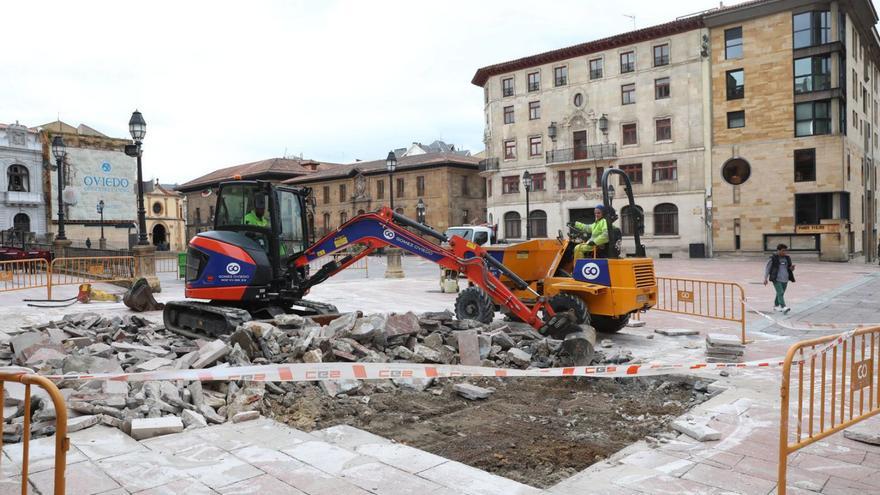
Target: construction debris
724, 348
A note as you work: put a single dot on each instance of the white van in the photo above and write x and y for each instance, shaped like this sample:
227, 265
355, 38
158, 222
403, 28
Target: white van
482, 235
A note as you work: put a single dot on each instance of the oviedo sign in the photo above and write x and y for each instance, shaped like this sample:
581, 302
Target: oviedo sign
100, 175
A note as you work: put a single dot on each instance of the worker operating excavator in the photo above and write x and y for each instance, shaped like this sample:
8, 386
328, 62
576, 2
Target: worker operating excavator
258, 216
598, 236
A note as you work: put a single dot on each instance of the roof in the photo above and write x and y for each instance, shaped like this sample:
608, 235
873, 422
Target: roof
151, 187
639, 35
378, 166
284, 168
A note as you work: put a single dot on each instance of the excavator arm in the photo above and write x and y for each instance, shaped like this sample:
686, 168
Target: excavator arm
387, 228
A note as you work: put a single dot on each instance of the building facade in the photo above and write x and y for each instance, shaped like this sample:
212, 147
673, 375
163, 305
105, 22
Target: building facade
22, 205
447, 183
166, 222
634, 102
794, 104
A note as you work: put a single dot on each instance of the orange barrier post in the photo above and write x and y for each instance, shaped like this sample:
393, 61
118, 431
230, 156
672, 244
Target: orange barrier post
25, 274
82, 270
828, 389
62, 443
705, 298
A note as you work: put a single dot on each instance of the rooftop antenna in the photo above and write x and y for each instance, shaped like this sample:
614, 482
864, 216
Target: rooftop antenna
633, 18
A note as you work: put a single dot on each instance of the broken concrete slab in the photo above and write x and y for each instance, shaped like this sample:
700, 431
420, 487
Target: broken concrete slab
472, 392
468, 348
81, 423
404, 324
210, 353
192, 419
415, 384
519, 357
676, 332
863, 432
152, 364
246, 416
697, 430
153, 427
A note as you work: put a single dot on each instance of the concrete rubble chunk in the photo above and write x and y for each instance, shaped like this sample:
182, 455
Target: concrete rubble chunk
676, 332
720, 339
24, 341
404, 324
502, 339
427, 354
81, 423
128, 347
210, 353
366, 328
289, 320
414, 384
697, 430
246, 416
519, 357
340, 387
863, 432
153, 364
192, 419
313, 356
143, 428
340, 326
468, 348
472, 392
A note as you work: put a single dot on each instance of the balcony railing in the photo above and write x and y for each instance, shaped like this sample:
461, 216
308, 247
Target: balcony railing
21, 198
489, 165
578, 153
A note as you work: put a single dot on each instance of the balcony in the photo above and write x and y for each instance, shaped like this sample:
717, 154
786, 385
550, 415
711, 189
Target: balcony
21, 198
583, 153
489, 165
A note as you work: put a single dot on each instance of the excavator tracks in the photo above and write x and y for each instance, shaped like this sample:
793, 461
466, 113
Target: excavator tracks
198, 320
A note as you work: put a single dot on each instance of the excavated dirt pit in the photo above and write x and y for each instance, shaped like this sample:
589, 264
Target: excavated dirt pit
536, 431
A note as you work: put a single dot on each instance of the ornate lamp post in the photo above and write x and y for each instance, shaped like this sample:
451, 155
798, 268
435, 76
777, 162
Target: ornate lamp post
59, 150
138, 128
527, 184
421, 208
394, 268
102, 243
391, 166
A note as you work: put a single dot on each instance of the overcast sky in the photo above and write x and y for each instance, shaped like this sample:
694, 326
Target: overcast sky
222, 83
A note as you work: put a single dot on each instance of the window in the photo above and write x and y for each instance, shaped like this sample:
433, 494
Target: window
810, 209
578, 99
488, 187
380, 189
21, 222
211, 213
534, 80
538, 223
812, 74
535, 147
507, 87
326, 195
736, 120
510, 184
508, 115
486, 95
326, 220
599, 172
534, 110
342, 196
420, 185
736, 84
630, 134
157, 208
633, 171
812, 28
736, 171
580, 179
512, 225
812, 118
560, 76
661, 88
343, 217
663, 171
510, 149
293, 229
400, 188
665, 219
18, 178
627, 62
465, 186
538, 182
560, 180
628, 94
733, 43
596, 68
629, 216
661, 55
663, 130
198, 215
805, 165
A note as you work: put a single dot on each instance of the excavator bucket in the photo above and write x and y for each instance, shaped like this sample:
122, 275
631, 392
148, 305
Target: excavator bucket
578, 347
561, 324
140, 297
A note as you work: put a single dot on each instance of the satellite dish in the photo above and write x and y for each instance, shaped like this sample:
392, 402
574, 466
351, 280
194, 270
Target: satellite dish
70, 195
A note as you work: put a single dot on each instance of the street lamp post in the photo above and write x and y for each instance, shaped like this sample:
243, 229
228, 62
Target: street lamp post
102, 243
527, 184
59, 149
394, 267
137, 126
391, 166
421, 208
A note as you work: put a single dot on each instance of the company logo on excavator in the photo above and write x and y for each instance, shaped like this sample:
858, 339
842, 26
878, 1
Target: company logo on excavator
233, 268
591, 271
388, 234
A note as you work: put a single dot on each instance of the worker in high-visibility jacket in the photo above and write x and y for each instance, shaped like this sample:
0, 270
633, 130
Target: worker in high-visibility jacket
257, 216
598, 232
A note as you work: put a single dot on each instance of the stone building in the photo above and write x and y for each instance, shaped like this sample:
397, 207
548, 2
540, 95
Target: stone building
446, 182
633, 101
794, 105
166, 222
22, 206
200, 194
96, 168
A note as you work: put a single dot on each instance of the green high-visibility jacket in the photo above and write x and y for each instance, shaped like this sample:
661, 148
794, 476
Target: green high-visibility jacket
598, 231
252, 219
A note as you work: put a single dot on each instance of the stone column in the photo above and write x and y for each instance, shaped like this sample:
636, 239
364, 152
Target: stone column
145, 265
60, 247
395, 265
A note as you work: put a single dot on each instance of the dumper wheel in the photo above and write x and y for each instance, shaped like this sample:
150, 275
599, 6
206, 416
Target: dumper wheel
610, 324
474, 304
564, 302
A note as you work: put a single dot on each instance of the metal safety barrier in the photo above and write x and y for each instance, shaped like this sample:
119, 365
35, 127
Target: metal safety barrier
837, 386
714, 299
25, 274
166, 263
62, 443
75, 271
360, 264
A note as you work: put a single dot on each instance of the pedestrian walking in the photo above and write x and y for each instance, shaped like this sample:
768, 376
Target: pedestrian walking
780, 271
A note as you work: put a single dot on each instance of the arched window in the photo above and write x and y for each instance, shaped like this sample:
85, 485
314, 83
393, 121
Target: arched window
325, 227
512, 224
18, 178
665, 219
21, 223
628, 219
343, 217
538, 223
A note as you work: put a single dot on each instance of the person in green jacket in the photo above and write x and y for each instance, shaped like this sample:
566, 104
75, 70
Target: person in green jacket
598, 232
258, 216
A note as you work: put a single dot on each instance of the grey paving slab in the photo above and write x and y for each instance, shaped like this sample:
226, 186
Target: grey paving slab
348, 437
99, 442
326, 457
295, 472
403, 457
383, 479
140, 471
261, 485
273, 435
41, 455
83, 478
186, 486
213, 466
474, 481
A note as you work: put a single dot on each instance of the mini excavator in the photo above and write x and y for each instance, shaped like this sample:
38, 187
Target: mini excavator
254, 264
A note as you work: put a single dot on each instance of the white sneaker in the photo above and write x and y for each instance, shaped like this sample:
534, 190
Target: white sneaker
785, 310
777, 309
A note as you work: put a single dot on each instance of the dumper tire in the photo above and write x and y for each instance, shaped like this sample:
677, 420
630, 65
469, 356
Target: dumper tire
565, 302
474, 304
610, 324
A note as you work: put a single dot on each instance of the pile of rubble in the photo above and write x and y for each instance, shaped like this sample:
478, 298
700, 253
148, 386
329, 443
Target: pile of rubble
87, 343
721, 348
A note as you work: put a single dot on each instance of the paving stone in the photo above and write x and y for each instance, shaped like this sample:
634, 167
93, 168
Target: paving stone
245, 416
662, 484
768, 470
81, 423
466, 479
842, 486
152, 364
664, 463
402, 457
260, 485
192, 419
82, 478
729, 480
210, 353
186, 486
324, 456
348, 437
831, 467
404, 324
141, 470
472, 392
519, 357
41, 454
296, 473
863, 432
697, 431
468, 348
153, 427
213, 467
382, 479
416, 384
676, 332
100, 442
